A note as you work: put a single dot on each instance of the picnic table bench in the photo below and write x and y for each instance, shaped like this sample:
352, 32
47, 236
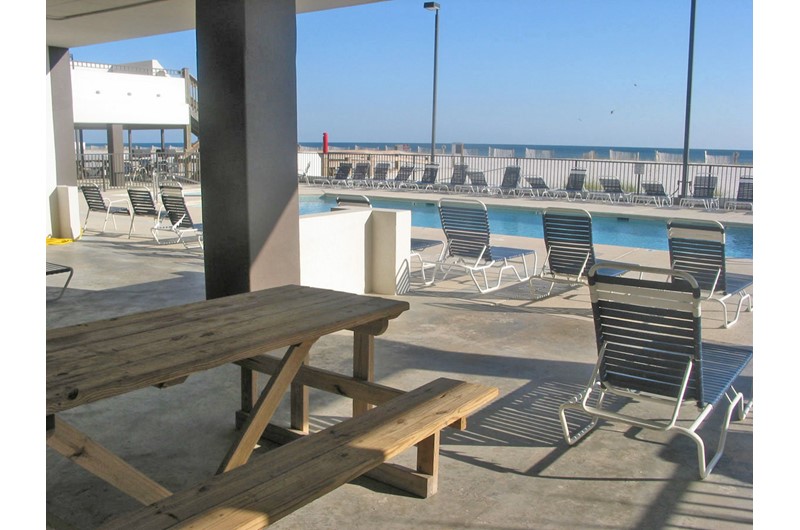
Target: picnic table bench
107, 358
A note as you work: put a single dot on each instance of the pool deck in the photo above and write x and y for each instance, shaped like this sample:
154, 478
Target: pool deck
510, 470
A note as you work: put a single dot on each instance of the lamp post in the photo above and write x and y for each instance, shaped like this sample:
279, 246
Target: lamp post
434, 6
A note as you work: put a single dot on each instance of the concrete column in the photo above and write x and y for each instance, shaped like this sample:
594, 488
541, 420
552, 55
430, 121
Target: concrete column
64, 219
116, 154
246, 69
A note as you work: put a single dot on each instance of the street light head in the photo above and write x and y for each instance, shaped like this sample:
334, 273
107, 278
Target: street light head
432, 6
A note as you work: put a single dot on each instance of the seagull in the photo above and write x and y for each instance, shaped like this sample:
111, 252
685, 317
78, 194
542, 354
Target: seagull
612, 112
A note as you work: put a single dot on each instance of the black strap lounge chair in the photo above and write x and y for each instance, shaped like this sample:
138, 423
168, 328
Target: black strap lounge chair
744, 195
652, 192
342, 176
360, 174
458, 180
143, 205
465, 223
703, 190
402, 177
509, 184
570, 247
97, 203
651, 352
55, 268
612, 191
698, 248
537, 187
426, 182
380, 174
179, 221
574, 188
477, 182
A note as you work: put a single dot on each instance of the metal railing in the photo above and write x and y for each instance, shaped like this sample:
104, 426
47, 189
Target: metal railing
554, 171
144, 169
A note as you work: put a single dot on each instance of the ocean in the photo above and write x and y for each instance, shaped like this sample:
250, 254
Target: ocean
745, 157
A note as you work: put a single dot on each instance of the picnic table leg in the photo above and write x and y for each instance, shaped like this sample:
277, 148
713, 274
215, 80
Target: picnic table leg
249, 391
299, 405
428, 461
363, 365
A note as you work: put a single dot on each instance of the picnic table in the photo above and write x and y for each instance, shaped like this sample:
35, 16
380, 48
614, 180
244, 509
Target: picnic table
102, 359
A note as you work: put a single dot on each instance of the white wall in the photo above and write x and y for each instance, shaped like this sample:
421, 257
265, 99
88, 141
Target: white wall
358, 250
104, 97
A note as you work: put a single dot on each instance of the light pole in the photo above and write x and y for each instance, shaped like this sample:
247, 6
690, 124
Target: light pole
434, 6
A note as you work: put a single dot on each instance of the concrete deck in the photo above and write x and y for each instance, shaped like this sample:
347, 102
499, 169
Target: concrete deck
510, 470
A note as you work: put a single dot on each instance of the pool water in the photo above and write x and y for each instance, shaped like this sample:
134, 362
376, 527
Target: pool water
607, 230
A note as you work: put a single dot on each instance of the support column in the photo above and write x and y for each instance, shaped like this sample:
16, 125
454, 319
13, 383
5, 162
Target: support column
116, 155
246, 68
62, 170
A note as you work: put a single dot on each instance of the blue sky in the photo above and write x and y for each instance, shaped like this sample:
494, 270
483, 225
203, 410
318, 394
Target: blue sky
511, 71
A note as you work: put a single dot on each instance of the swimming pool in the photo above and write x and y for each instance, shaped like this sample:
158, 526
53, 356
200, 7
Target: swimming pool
607, 230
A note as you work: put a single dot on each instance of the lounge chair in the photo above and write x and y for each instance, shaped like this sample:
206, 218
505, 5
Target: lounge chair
403, 174
342, 176
302, 176
179, 221
702, 193
537, 187
380, 174
477, 182
650, 350
698, 248
744, 195
509, 184
465, 223
55, 268
574, 188
426, 182
360, 174
612, 191
570, 246
418, 246
143, 205
652, 192
458, 181
97, 203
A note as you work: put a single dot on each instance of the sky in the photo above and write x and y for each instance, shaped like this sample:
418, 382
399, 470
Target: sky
535, 72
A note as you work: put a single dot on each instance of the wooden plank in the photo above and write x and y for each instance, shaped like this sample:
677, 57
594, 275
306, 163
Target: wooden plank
363, 365
276, 483
147, 352
298, 403
96, 459
327, 380
265, 407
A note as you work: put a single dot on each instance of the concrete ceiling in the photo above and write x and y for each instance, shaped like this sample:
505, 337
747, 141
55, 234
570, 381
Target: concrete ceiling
72, 23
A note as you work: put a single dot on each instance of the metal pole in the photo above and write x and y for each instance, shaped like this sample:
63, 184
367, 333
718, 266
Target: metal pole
435, 69
685, 181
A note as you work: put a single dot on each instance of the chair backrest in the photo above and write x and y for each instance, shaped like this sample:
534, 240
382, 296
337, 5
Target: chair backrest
655, 189
459, 174
353, 200
477, 178
361, 171
465, 223
343, 171
745, 191
576, 178
404, 173
647, 330
698, 247
537, 183
142, 202
611, 184
429, 174
175, 205
510, 177
704, 186
568, 239
94, 199
381, 171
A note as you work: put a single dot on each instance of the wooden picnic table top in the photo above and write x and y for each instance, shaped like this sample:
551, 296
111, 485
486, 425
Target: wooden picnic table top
105, 358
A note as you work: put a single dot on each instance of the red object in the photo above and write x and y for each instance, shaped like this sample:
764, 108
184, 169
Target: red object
325, 142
